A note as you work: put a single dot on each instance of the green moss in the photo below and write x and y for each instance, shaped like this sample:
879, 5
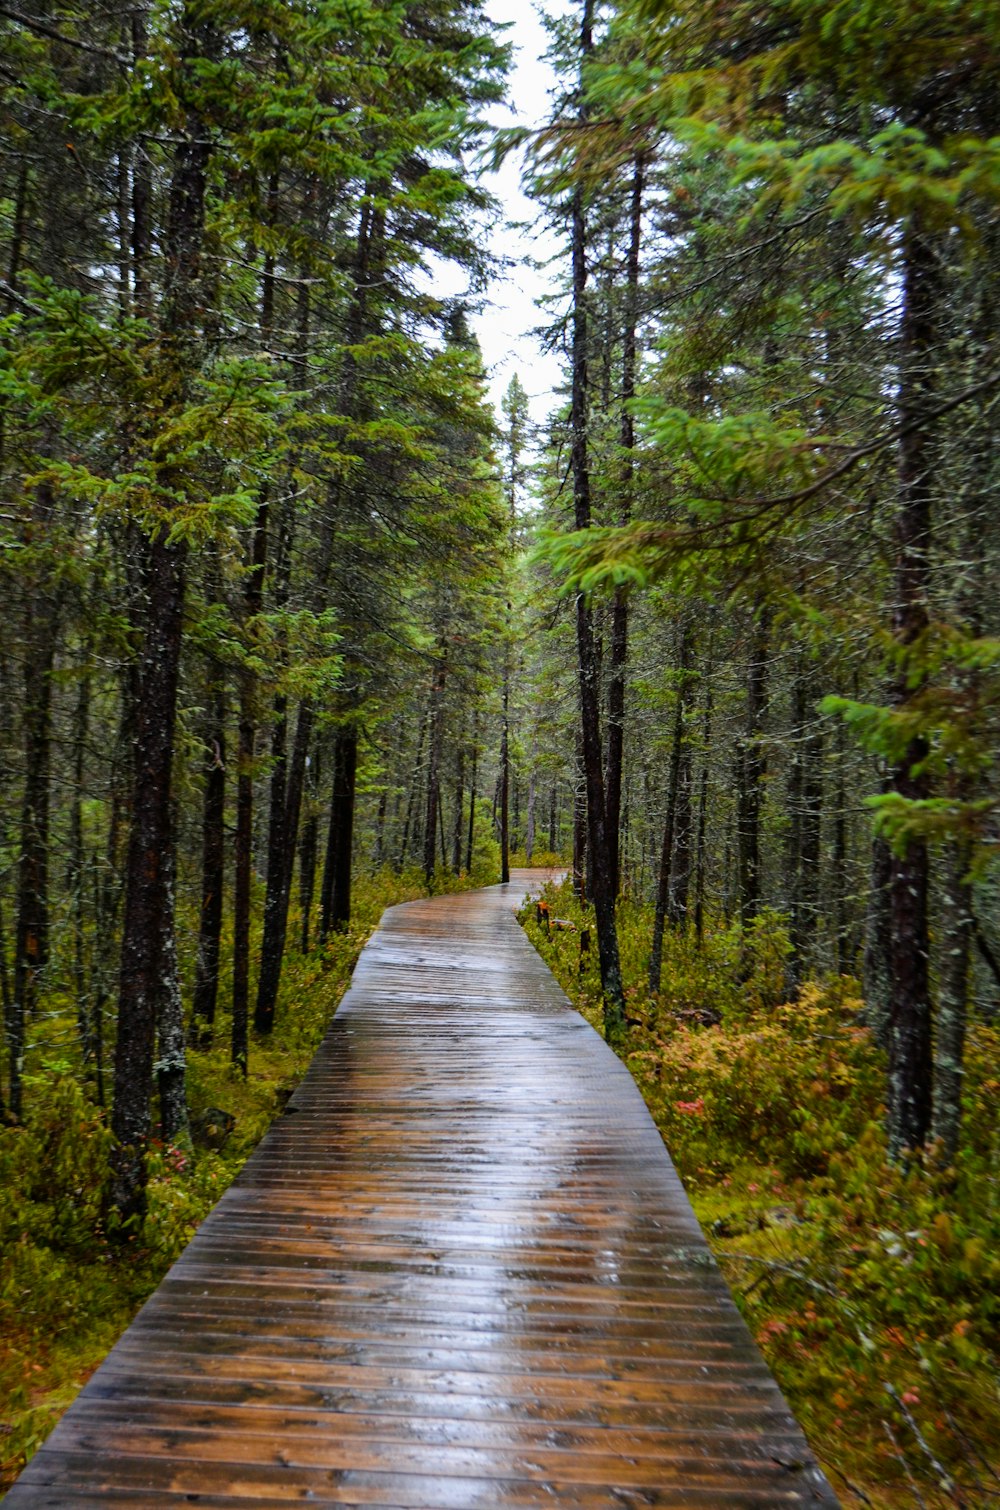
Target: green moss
874, 1291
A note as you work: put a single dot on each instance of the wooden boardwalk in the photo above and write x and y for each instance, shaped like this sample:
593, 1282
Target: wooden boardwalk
460, 1271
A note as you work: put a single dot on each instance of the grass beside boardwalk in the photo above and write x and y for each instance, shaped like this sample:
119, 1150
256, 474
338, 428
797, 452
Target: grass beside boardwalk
65, 1294
874, 1292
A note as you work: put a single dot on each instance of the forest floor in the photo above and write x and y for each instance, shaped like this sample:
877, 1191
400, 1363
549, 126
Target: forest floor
873, 1291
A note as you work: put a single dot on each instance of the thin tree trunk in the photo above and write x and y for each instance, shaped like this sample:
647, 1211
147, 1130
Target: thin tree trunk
579, 823
413, 794
435, 718
670, 816
456, 831
170, 1054
213, 873
618, 658
529, 830
600, 868
910, 1051
336, 897
31, 938
702, 827
76, 870
471, 831
270, 961
308, 852
957, 931
504, 778
750, 772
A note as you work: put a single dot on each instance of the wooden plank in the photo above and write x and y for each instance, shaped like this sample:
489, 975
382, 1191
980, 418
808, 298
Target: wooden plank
459, 1272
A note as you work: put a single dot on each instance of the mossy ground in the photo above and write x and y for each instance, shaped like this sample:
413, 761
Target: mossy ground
874, 1291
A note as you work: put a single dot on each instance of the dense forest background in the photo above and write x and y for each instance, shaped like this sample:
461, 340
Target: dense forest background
290, 613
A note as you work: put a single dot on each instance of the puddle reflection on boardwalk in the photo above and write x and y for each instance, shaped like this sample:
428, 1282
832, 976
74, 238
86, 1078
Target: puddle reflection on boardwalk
458, 1272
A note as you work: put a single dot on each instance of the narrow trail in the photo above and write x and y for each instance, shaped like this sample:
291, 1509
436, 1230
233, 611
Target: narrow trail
460, 1271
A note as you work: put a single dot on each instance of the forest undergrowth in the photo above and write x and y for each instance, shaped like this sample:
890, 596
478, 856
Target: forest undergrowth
66, 1293
873, 1290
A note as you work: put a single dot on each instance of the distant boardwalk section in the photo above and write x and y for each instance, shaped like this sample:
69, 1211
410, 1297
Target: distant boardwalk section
460, 1271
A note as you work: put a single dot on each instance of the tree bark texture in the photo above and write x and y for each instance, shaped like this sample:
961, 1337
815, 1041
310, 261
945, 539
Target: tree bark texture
751, 766
618, 656
213, 876
148, 881
336, 898
910, 1048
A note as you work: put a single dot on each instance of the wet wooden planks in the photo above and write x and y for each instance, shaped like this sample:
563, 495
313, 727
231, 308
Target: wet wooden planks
460, 1271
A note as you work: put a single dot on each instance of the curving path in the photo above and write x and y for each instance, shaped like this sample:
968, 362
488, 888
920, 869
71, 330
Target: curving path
460, 1271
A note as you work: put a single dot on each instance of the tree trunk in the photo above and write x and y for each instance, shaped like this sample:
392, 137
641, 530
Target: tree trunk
702, 825
76, 870
957, 929
750, 772
31, 938
336, 897
670, 816
910, 1053
149, 990
618, 658
267, 976
472, 792
435, 718
805, 806
599, 868
213, 873
456, 828
529, 830
148, 917
505, 771
170, 1054
308, 853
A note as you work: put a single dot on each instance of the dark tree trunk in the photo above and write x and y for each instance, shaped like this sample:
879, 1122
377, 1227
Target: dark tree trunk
243, 875
282, 858
910, 1053
213, 875
529, 827
600, 867
76, 870
957, 931
456, 829
838, 868
31, 937
618, 658
149, 991
270, 960
412, 795
750, 772
878, 943
170, 1052
670, 817
805, 807
702, 825
505, 774
148, 920
309, 849
579, 823
336, 898
435, 719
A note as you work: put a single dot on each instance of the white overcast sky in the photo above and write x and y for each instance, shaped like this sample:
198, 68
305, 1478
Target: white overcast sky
504, 326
